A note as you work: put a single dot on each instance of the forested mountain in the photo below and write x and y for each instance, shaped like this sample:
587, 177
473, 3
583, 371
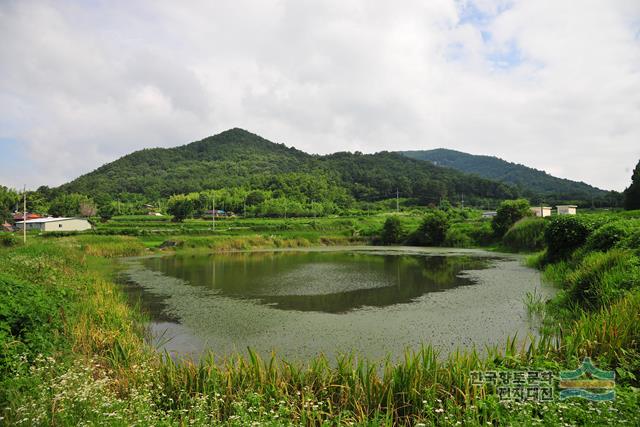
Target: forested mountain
531, 182
239, 159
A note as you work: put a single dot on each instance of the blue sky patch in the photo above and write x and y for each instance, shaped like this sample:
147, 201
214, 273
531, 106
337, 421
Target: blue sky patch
508, 57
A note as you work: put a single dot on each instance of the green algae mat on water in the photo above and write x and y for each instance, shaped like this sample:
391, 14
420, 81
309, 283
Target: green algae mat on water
375, 302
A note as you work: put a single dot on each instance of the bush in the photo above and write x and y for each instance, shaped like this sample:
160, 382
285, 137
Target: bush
28, 314
391, 231
8, 240
466, 234
509, 212
566, 233
106, 212
602, 278
482, 234
458, 238
632, 241
610, 235
181, 207
432, 230
526, 235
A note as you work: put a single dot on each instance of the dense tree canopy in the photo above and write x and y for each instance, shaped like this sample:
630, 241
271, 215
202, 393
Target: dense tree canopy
239, 159
69, 205
632, 194
182, 206
8, 200
392, 232
535, 184
433, 229
509, 212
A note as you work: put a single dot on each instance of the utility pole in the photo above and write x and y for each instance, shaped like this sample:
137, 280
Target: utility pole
213, 212
24, 215
397, 200
462, 201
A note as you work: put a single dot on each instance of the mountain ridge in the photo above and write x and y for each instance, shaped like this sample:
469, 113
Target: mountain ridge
239, 158
530, 180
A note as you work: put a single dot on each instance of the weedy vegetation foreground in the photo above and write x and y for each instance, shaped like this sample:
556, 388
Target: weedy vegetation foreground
73, 350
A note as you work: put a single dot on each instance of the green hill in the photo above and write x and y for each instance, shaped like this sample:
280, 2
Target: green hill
237, 158
533, 183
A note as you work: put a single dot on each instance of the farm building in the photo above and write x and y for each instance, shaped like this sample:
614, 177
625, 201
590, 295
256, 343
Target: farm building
7, 227
55, 224
489, 214
19, 216
541, 211
219, 212
566, 209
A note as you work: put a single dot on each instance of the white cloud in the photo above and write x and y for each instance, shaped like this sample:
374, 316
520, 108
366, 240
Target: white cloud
551, 84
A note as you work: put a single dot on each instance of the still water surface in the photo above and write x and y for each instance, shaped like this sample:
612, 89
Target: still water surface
374, 301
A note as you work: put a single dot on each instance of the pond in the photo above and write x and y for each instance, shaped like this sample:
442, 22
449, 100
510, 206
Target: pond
374, 302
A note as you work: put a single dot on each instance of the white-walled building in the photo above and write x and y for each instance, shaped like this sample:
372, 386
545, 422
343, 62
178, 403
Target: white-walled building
541, 211
566, 209
55, 224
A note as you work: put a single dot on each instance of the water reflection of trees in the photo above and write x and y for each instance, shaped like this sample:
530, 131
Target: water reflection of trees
402, 278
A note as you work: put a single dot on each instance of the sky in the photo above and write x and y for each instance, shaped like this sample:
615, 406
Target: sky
552, 84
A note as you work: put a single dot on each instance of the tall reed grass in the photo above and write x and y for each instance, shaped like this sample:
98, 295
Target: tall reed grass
107, 375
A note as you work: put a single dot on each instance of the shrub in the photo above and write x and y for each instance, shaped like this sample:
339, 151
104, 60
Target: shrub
469, 233
602, 278
509, 212
566, 233
181, 206
526, 235
8, 240
632, 241
458, 238
609, 235
432, 230
391, 231
28, 314
482, 234
106, 211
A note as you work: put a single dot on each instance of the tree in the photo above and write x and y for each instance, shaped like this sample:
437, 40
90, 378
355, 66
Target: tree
445, 205
36, 202
106, 211
255, 198
70, 204
181, 206
433, 229
87, 208
8, 200
391, 231
508, 213
632, 194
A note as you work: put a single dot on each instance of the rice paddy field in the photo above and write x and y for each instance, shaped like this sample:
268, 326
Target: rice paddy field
76, 351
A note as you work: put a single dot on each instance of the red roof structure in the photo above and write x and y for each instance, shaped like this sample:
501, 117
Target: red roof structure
18, 216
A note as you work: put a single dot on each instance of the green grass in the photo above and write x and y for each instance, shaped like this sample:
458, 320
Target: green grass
526, 235
79, 355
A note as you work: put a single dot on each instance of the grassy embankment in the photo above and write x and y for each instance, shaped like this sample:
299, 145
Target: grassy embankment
73, 350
